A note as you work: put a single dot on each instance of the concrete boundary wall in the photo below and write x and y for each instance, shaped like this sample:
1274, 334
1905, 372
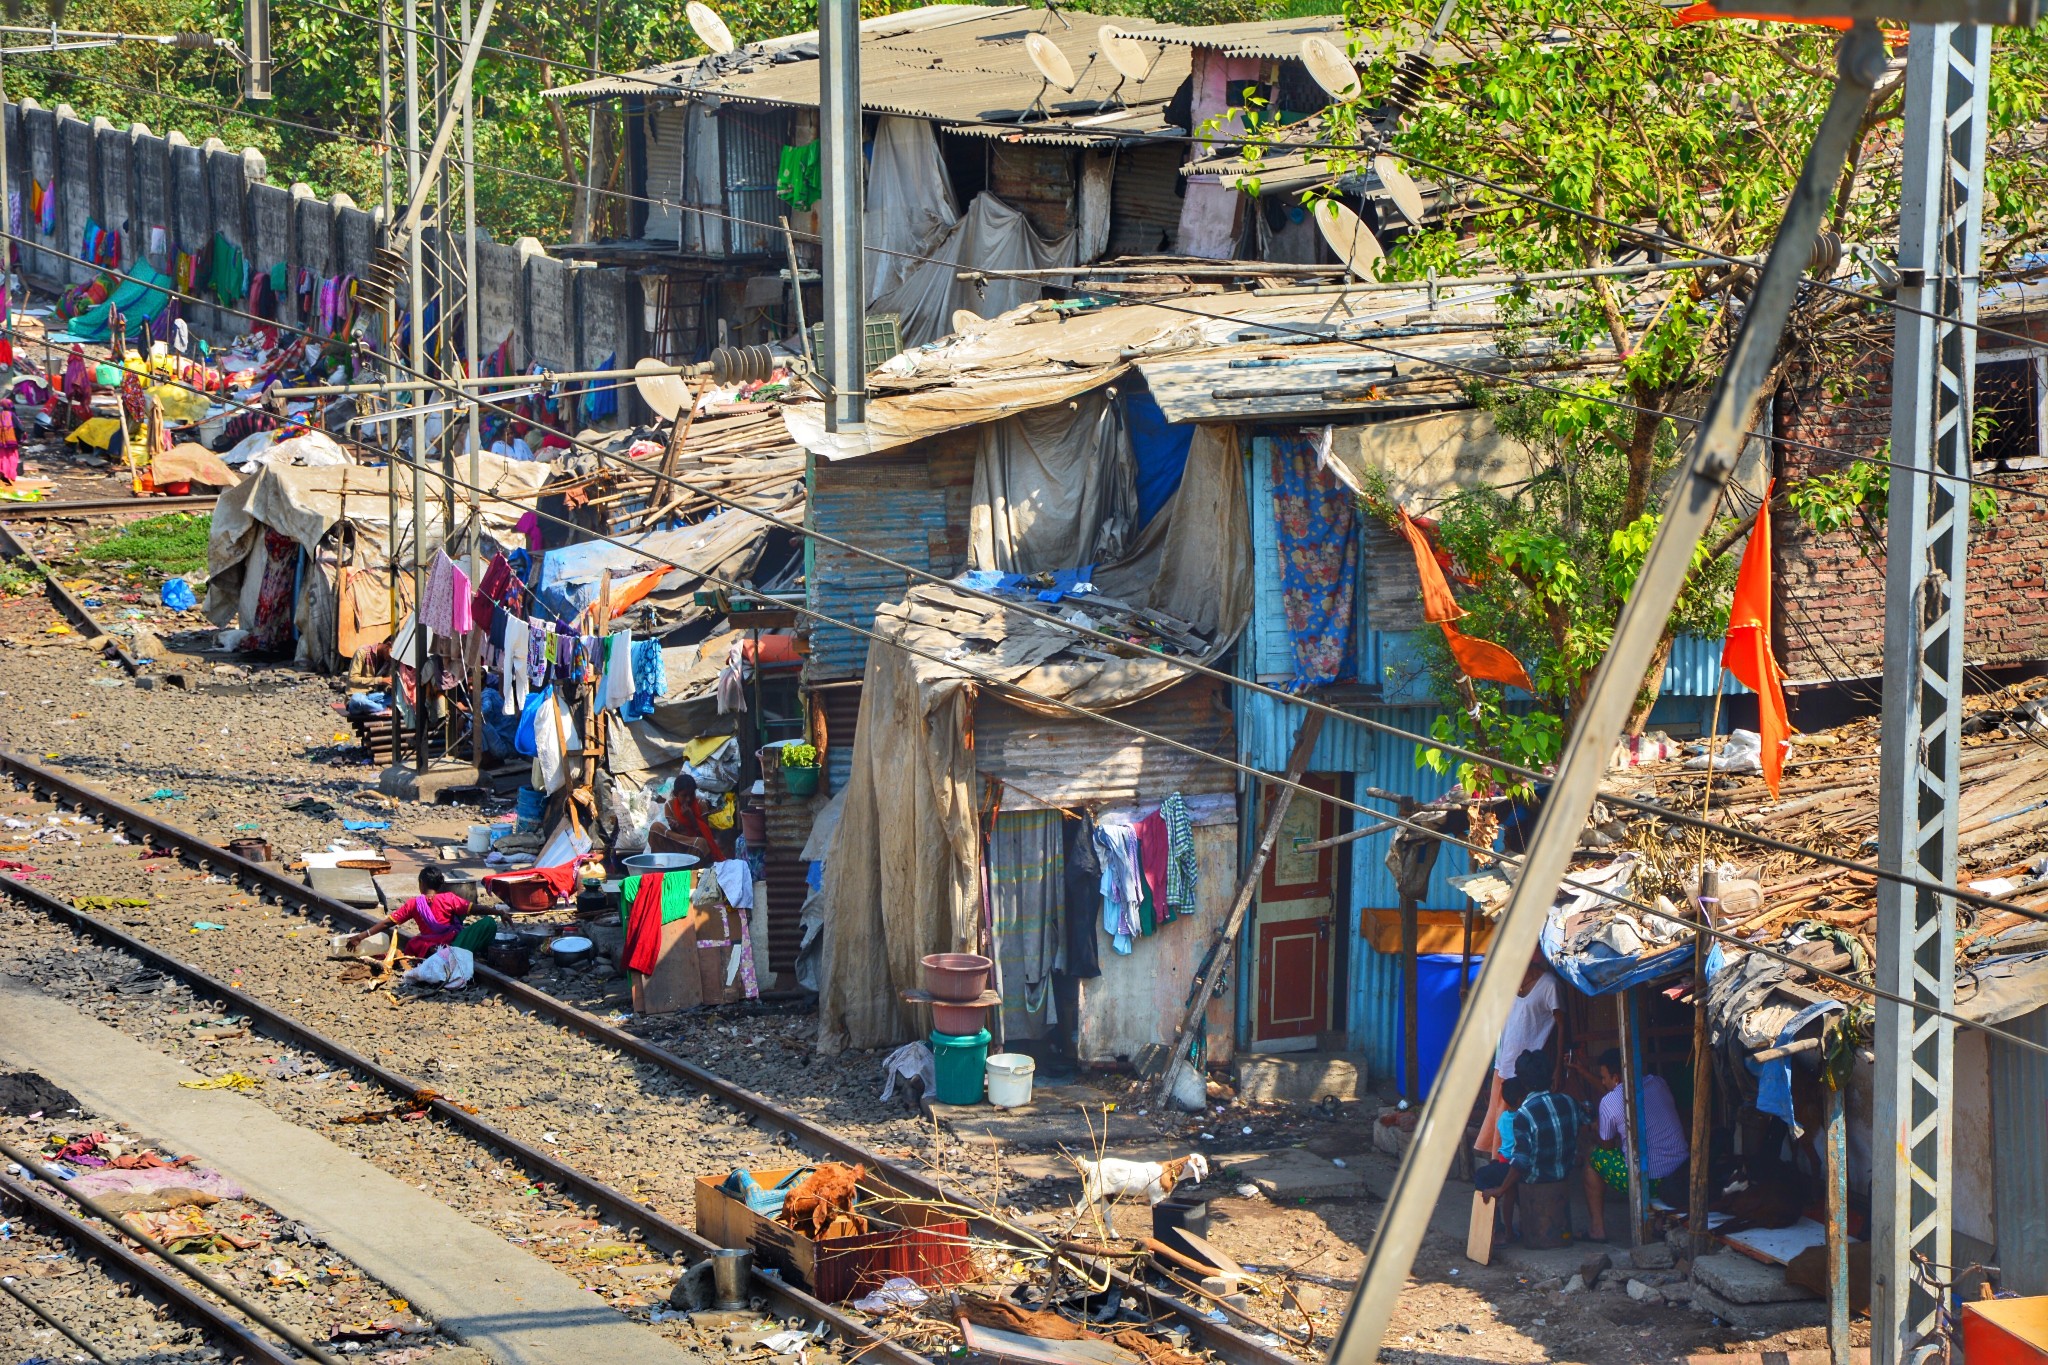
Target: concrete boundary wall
164, 195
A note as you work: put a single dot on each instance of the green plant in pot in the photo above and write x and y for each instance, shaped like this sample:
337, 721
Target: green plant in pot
800, 769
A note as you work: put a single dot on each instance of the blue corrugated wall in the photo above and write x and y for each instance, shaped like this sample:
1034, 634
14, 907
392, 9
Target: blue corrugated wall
1390, 659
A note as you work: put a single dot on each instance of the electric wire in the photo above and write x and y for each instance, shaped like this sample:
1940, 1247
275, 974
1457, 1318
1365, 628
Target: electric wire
1186, 664
1167, 305
1002, 686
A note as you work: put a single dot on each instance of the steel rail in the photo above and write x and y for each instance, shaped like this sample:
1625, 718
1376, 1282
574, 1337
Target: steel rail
662, 1233
90, 507
106, 1247
1226, 1341
67, 601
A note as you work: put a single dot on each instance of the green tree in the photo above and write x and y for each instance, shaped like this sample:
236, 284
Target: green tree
1572, 117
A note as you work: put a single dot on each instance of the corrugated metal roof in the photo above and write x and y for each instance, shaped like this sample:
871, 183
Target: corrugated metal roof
1258, 38
960, 65
1071, 761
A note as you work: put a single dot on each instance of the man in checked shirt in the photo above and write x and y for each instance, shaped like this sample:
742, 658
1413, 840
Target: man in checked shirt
1546, 1127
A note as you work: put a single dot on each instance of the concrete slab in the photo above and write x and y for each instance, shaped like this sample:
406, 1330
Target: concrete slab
1292, 1173
512, 1306
1300, 1077
1760, 1317
1741, 1280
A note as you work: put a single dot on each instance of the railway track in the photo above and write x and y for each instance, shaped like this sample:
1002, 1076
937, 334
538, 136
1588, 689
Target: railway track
99, 507
12, 547
273, 885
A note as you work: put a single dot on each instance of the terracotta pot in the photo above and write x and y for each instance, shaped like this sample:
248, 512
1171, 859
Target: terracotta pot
525, 897
959, 1019
956, 977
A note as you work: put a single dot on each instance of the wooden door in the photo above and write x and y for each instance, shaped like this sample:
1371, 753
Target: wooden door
1294, 977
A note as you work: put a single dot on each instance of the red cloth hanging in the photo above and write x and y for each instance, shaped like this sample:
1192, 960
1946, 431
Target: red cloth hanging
643, 926
1747, 653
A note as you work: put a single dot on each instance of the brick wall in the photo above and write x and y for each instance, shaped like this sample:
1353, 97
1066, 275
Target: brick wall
1831, 591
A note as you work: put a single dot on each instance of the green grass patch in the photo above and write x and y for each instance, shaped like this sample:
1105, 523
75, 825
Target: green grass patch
174, 543
17, 579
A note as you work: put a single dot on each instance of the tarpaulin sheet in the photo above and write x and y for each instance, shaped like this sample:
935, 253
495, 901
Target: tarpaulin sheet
992, 236
898, 419
1053, 489
1159, 451
139, 300
910, 205
726, 545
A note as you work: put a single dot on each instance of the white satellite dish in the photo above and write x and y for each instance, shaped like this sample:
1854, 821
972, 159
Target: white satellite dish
1350, 238
965, 320
1130, 58
665, 393
1400, 188
1050, 61
710, 29
1331, 69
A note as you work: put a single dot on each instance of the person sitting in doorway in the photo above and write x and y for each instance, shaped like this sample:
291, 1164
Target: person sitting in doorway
1492, 1174
436, 910
1532, 1023
689, 828
1545, 1130
1666, 1154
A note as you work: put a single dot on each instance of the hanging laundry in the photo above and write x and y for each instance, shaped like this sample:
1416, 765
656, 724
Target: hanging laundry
1026, 880
10, 445
617, 688
516, 679
1181, 869
1153, 911
1083, 898
1123, 884
229, 269
650, 680
445, 606
799, 177
46, 217
494, 587
1317, 524
540, 646
601, 400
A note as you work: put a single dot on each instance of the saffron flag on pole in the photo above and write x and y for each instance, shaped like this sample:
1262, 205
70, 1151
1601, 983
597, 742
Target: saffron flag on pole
1747, 653
1477, 658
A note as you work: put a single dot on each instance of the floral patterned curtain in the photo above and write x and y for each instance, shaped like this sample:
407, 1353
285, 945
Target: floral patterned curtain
1316, 519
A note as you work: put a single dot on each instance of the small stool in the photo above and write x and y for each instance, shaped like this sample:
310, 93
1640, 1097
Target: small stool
1546, 1213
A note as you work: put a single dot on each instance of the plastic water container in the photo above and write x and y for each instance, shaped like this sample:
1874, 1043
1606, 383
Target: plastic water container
1009, 1079
960, 1066
530, 805
479, 839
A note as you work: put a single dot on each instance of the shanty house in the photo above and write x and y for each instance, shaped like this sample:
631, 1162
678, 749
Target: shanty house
974, 156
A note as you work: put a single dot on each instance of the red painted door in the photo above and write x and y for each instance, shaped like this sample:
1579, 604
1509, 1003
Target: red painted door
1294, 977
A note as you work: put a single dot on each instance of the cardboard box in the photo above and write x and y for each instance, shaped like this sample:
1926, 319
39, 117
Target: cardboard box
904, 1239
1436, 931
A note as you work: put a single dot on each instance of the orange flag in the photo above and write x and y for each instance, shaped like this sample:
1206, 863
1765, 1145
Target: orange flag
1747, 653
1476, 658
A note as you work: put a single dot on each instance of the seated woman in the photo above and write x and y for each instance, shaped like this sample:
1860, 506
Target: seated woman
436, 910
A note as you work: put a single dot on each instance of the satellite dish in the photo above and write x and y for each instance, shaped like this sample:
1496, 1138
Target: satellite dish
1050, 61
965, 320
1400, 188
710, 29
665, 393
1331, 68
1129, 57
1350, 238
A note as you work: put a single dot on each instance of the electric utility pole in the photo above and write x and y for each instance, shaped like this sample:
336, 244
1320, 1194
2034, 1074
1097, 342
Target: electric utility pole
1927, 526
839, 132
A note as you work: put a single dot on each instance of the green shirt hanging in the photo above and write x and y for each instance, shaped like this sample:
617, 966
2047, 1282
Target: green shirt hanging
799, 178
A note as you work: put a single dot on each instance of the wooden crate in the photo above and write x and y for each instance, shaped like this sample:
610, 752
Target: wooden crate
906, 1239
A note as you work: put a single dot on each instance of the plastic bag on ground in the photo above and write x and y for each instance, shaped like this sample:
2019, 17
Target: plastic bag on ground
894, 1293
1741, 752
177, 594
450, 968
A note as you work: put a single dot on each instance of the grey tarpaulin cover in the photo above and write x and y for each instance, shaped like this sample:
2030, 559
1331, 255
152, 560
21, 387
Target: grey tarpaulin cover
901, 881
1053, 489
909, 202
993, 236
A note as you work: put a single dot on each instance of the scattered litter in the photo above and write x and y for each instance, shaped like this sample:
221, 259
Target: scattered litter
360, 826
199, 924
105, 903
237, 1081
165, 794
177, 594
894, 1293
1247, 1191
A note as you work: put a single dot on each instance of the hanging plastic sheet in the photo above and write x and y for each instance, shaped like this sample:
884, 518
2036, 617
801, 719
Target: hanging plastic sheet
993, 237
910, 205
1053, 488
1159, 451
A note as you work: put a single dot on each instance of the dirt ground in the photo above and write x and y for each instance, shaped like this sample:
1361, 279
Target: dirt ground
239, 745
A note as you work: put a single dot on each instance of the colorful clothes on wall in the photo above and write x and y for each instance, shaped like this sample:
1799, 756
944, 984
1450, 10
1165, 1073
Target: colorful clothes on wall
1316, 520
1026, 881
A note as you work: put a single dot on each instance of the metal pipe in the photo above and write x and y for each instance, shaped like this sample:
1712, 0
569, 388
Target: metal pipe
1702, 1066
416, 302
1598, 272
1689, 512
471, 325
255, 1311
1838, 1221
839, 130
1633, 1142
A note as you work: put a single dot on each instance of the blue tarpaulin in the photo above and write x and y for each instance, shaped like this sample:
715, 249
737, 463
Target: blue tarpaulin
1159, 450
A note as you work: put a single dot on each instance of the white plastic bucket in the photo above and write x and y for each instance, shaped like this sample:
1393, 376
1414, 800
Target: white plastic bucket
480, 838
1009, 1079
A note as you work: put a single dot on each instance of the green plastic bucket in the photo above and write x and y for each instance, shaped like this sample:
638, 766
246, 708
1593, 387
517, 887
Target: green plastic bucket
961, 1063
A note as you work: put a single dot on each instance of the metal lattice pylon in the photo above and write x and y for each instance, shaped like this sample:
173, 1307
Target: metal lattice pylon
1927, 539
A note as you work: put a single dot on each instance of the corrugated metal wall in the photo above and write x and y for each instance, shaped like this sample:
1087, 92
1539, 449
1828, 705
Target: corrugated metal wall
1144, 201
663, 149
911, 508
752, 140
2019, 1099
1069, 761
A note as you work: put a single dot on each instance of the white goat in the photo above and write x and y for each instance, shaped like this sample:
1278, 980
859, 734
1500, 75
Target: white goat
1105, 1181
